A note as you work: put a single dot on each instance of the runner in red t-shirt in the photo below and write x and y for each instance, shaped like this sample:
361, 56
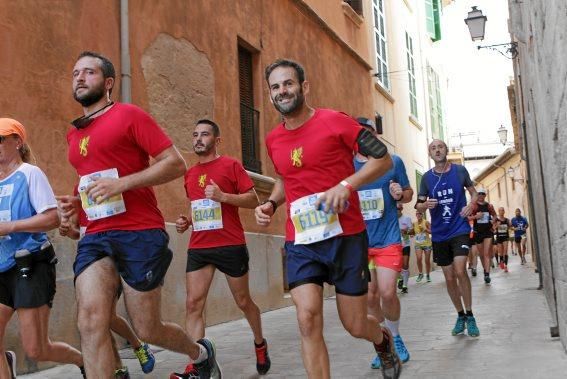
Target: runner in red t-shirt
216, 187
110, 147
73, 225
312, 151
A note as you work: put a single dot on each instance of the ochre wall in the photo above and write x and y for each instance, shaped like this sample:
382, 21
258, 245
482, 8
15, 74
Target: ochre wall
178, 49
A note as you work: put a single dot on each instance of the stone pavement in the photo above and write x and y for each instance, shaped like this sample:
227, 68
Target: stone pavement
511, 314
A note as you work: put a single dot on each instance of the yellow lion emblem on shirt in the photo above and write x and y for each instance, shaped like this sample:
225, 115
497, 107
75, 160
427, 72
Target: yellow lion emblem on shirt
296, 157
83, 145
202, 180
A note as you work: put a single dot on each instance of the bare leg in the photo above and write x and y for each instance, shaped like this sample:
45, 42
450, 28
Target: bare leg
144, 309
352, 312
5, 316
197, 283
308, 299
34, 323
428, 261
374, 307
241, 293
419, 260
459, 267
388, 294
453, 286
121, 326
94, 314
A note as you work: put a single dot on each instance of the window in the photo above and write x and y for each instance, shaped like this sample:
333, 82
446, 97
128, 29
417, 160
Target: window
435, 106
499, 194
356, 5
411, 75
513, 184
249, 117
380, 43
433, 19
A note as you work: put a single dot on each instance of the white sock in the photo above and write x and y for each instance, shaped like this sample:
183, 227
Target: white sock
393, 326
405, 277
202, 355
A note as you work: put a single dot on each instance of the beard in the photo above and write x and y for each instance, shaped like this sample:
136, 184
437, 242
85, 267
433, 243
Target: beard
91, 96
204, 149
286, 109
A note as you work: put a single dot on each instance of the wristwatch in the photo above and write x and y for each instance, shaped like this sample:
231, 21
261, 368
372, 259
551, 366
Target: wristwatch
274, 204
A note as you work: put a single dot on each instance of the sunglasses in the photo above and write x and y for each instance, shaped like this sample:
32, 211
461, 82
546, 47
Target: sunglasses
3, 138
84, 121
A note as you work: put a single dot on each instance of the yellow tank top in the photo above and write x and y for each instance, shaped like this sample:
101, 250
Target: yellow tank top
421, 236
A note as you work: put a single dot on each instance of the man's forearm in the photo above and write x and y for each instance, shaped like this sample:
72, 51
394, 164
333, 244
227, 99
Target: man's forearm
170, 167
278, 193
242, 200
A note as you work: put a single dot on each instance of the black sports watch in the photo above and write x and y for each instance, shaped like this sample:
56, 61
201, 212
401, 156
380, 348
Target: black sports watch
274, 204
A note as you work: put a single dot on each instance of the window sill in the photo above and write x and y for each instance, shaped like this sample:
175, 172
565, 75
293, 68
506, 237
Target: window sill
262, 183
415, 122
352, 15
384, 92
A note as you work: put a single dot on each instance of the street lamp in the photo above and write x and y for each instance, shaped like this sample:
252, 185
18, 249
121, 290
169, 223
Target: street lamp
512, 174
476, 22
502, 135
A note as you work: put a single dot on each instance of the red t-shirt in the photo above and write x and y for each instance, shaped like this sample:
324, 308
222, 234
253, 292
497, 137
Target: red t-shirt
231, 177
316, 157
123, 138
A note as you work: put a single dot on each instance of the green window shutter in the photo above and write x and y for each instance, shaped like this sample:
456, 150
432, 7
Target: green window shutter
418, 176
437, 20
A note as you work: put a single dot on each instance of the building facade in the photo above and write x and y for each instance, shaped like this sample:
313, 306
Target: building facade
540, 87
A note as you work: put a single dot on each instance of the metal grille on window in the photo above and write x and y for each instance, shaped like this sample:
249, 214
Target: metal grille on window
249, 117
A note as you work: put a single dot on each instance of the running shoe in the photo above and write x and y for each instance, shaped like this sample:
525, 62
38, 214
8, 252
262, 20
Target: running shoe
145, 357
400, 283
404, 289
428, 278
487, 278
11, 358
190, 372
419, 277
391, 365
473, 272
501, 265
460, 326
209, 368
505, 268
376, 363
401, 350
122, 373
472, 329
263, 361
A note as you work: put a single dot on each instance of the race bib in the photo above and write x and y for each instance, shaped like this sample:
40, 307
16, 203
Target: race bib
420, 238
484, 219
371, 204
110, 207
502, 229
310, 224
206, 214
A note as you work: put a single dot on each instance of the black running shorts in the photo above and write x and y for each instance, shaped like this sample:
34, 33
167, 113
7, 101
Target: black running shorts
230, 260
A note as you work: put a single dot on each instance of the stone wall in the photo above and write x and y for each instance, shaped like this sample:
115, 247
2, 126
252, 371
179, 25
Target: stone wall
540, 28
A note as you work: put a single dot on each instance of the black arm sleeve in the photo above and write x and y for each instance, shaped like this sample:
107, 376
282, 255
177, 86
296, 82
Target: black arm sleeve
370, 146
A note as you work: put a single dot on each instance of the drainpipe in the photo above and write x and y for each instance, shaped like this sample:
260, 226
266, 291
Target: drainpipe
125, 72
